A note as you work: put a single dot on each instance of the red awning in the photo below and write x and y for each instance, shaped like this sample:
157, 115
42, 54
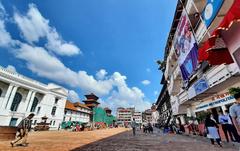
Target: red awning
213, 50
233, 15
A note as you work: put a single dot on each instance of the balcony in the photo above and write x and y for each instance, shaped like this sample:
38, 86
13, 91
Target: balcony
220, 73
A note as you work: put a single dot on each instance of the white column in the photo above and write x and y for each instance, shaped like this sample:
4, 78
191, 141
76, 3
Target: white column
31, 101
6, 97
28, 98
10, 100
223, 108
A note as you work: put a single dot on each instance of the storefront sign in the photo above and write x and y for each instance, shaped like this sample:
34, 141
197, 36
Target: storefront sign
200, 86
186, 47
210, 11
216, 103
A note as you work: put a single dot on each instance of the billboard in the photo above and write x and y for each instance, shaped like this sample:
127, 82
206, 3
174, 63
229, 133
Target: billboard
186, 47
210, 11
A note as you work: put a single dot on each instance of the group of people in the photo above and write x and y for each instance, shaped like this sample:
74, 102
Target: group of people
146, 128
77, 127
230, 123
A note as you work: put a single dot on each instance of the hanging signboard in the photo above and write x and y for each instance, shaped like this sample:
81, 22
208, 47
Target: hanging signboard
186, 47
210, 11
200, 86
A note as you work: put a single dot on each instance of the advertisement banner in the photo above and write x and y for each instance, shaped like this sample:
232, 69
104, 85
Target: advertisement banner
210, 11
200, 86
186, 47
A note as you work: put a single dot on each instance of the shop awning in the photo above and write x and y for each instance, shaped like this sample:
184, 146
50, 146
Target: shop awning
214, 50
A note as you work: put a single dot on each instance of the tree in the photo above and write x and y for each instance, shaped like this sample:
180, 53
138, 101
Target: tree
161, 64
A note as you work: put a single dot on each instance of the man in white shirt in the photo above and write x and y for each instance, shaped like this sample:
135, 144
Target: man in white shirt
134, 125
224, 120
235, 112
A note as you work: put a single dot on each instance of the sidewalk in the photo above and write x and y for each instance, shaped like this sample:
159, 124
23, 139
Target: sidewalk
152, 142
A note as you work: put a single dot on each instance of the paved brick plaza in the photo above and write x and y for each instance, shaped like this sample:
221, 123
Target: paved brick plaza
113, 140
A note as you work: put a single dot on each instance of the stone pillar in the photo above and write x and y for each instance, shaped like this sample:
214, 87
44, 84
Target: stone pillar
31, 101
10, 100
28, 98
7, 95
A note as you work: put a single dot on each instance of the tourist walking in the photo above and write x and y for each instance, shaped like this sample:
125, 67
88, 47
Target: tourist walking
224, 120
22, 130
231, 127
235, 112
133, 124
212, 130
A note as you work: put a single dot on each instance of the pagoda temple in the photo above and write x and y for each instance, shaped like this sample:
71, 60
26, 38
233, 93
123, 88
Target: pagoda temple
91, 101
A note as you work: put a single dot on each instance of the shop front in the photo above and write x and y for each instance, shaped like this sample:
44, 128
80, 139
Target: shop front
215, 104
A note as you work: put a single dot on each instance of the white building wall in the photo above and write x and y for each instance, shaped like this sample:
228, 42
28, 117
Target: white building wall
77, 115
11, 83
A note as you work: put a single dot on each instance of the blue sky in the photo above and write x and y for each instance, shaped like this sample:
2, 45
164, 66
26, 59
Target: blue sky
108, 47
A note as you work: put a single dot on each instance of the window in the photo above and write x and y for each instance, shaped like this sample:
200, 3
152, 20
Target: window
0, 92
38, 110
54, 110
16, 101
53, 123
13, 122
65, 112
34, 105
56, 100
35, 122
50, 123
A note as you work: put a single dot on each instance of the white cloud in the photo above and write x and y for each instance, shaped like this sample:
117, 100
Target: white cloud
146, 82
34, 26
124, 96
45, 64
11, 68
101, 74
73, 96
148, 70
5, 38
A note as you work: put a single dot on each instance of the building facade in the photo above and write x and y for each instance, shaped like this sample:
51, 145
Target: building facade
147, 116
125, 115
77, 112
163, 105
20, 96
138, 117
199, 73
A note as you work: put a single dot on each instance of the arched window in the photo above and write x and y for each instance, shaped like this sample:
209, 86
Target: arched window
0, 92
16, 101
54, 110
34, 105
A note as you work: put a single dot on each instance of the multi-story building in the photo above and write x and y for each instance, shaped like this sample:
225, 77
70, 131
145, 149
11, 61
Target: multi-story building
138, 117
163, 105
77, 112
201, 56
125, 115
20, 96
147, 116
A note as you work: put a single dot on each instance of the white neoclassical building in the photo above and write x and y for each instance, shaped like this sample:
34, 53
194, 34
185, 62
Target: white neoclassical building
20, 96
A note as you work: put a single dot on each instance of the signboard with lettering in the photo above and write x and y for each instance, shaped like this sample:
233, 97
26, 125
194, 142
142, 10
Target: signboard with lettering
222, 100
200, 86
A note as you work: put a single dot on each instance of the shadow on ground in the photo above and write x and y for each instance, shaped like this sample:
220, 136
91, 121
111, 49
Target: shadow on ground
109, 143
151, 142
